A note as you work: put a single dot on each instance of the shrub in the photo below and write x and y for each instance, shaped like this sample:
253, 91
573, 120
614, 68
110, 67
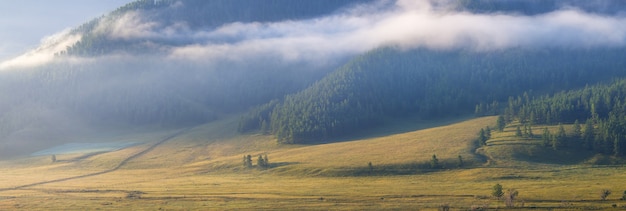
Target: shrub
604, 194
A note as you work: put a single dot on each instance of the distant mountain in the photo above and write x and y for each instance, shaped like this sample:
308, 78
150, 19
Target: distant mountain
118, 71
190, 16
306, 70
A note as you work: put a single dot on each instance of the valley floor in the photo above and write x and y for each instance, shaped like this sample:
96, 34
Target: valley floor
460, 189
202, 170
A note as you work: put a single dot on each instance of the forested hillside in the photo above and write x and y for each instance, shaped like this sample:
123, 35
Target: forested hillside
598, 113
428, 84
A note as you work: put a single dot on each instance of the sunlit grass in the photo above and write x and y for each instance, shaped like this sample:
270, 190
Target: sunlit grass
202, 170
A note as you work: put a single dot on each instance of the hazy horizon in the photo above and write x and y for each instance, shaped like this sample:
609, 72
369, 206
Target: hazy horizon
23, 24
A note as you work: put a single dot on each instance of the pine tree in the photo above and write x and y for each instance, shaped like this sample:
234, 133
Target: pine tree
616, 147
577, 130
518, 132
532, 119
588, 135
260, 162
497, 191
526, 134
482, 138
501, 123
460, 164
478, 111
248, 161
555, 142
546, 137
264, 127
561, 136
488, 132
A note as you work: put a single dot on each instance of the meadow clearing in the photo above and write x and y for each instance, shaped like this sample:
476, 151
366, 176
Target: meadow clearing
201, 169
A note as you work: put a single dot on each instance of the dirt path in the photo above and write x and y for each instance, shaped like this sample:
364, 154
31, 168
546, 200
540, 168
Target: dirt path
120, 165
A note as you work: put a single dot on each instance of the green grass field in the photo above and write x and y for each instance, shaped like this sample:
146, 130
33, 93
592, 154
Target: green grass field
202, 169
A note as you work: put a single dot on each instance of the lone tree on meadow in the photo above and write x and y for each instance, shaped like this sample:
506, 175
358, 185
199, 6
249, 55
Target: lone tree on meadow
247, 161
497, 191
434, 162
53, 158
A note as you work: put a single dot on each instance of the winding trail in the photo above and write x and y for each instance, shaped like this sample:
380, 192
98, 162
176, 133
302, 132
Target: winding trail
120, 165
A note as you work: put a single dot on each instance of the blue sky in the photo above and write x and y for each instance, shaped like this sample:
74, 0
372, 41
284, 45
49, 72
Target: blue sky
23, 23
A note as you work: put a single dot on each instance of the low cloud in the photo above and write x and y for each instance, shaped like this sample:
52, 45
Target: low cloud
189, 57
45, 53
406, 24
130, 25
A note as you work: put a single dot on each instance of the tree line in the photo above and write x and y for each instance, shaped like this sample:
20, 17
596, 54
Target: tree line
598, 115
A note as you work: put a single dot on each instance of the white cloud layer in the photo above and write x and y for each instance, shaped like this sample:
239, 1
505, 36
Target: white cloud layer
406, 24
409, 24
44, 53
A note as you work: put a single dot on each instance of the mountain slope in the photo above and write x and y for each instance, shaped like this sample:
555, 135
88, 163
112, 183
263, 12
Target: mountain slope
108, 34
429, 84
175, 64
113, 73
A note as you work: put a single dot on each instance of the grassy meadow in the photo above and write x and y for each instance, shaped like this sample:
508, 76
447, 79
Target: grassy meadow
202, 169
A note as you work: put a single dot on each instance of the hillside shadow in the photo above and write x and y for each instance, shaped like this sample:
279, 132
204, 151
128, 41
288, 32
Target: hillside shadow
566, 157
392, 126
545, 155
281, 164
411, 168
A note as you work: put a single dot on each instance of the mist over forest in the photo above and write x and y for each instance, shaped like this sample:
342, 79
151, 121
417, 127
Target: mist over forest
305, 71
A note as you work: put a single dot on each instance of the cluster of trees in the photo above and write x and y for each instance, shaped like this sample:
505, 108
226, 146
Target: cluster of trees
426, 84
483, 136
526, 133
602, 108
509, 197
262, 161
435, 164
